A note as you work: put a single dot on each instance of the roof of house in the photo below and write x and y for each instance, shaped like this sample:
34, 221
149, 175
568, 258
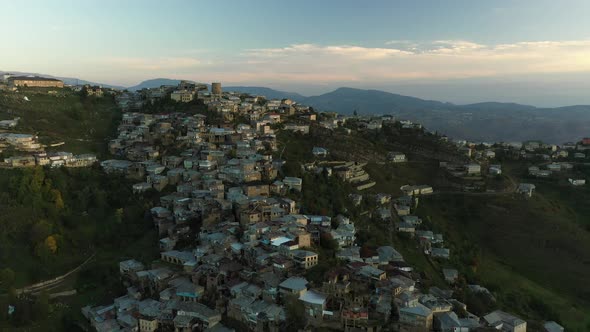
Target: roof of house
313, 297
34, 78
501, 317
418, 310
553, 327
294, 283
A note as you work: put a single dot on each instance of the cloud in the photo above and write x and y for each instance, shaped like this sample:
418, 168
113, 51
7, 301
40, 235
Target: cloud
403, 60
396, 61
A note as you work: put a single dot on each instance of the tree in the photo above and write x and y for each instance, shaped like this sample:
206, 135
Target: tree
295, 312
40, 231
57, 199
328, 242
51, 243
6, 278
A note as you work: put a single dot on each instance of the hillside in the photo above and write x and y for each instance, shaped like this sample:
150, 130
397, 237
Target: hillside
57, 218
81, 123
54, 219
532, 254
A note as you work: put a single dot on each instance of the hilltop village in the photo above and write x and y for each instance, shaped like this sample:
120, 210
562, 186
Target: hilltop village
237, 252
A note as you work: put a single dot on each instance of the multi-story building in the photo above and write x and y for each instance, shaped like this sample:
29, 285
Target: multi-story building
35, 81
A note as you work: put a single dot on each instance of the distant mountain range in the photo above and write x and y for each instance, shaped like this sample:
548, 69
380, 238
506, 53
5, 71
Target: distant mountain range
153, 83
487, 121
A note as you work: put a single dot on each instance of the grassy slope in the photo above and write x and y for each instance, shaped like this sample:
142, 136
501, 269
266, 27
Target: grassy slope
537, 247
82, 123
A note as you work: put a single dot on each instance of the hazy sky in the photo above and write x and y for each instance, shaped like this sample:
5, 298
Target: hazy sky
533, 51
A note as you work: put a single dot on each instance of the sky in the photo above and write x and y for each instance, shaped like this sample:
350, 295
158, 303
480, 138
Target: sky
529, 51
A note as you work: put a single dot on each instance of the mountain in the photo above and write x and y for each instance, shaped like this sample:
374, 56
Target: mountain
488, 121
347, 100
66, 80
267, 92
154, 83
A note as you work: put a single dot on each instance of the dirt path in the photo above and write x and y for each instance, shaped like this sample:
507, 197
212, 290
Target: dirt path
52, 283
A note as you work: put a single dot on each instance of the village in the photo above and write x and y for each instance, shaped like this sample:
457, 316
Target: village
235, 247
254, 247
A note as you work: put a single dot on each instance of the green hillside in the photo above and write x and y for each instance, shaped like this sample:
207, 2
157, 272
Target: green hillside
83, 124
534, 255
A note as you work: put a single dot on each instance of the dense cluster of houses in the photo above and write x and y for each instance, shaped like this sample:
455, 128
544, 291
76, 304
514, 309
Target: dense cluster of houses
550, 161
254, 247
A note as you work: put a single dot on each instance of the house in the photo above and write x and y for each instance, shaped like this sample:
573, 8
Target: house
526, 189
495, 169
553, 327
577, 182
294, 285
490, 154
314, 302
349, 254
396, 157
183, 96
305, 258
419, 316
450, 322
191, 315
503, 321
416, 190
473, 169
451, 275
304, 129
389, 254
371, 273
293, 183
440, 253
319, 152
405, 227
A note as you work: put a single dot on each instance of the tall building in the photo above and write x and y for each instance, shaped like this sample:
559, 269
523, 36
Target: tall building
216, 88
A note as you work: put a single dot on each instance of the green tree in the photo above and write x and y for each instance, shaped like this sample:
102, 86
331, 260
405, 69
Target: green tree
295, 312
7, 278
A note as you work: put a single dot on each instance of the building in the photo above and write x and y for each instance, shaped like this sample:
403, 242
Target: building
396, 157
503, 321
526, 189
35, 82
553, 327
305, 258
183, 96
473, 169
319, 151
419, 316
216, 88
577, 182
